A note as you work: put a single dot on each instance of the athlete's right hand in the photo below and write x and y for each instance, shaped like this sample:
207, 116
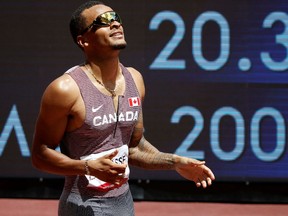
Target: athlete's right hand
106, 170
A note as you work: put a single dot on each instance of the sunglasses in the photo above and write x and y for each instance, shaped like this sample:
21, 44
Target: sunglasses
103, 20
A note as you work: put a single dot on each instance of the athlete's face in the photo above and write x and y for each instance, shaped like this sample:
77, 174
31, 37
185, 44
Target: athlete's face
101, 35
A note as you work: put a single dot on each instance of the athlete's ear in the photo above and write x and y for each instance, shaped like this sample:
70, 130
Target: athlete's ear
81, 41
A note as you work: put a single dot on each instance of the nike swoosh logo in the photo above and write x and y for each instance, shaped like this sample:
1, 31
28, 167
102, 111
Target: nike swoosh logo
96, 109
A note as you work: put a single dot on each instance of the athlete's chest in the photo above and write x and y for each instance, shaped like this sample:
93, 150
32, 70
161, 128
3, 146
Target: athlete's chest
109, 111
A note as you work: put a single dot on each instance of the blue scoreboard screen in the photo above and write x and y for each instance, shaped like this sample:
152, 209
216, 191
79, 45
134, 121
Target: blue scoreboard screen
216, 76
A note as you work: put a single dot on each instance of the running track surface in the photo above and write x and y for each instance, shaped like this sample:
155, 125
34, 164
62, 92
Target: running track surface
33, 207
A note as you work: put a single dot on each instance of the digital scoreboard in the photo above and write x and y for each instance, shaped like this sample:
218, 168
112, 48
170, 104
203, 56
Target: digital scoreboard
216, 76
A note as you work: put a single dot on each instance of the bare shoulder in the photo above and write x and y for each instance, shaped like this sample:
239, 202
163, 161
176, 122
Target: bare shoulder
138, 79
62, 91
135, 73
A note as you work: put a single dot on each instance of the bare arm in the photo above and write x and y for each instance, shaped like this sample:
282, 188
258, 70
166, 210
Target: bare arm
60, 111
143, 154
51, 124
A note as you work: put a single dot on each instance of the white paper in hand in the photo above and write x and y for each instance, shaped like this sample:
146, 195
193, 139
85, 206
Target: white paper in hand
120, 158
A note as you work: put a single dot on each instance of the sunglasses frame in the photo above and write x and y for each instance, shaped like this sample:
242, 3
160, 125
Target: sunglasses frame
97, 21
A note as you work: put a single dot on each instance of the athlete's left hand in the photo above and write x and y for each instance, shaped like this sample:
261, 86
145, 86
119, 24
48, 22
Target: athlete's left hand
194, 170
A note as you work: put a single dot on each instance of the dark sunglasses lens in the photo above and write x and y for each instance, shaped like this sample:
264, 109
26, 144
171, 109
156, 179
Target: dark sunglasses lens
107, 18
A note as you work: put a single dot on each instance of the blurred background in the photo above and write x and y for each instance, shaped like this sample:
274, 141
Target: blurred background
216, 75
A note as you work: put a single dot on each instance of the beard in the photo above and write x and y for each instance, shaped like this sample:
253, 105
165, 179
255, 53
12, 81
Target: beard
119, 46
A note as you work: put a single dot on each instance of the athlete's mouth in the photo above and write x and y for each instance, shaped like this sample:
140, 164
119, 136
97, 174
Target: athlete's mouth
116, 34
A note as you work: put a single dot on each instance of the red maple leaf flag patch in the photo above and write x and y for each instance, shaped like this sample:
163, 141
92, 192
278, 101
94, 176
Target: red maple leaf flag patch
134, 101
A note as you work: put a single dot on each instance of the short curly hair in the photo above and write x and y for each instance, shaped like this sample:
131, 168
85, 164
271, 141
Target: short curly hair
77, 21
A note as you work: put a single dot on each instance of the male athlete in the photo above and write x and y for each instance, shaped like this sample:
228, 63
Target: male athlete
94, 113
